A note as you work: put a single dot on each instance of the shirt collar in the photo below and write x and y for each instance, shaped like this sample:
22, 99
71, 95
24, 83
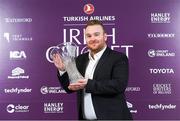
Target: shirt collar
98, 55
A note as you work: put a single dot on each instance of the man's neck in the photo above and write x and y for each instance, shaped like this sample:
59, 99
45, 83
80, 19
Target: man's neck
92, 53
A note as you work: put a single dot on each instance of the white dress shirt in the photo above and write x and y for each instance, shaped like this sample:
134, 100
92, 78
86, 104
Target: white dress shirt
88, 107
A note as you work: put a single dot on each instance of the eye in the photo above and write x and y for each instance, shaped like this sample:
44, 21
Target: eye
96, 34
88, 35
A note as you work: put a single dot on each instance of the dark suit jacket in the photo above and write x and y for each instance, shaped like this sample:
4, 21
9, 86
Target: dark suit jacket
107, 86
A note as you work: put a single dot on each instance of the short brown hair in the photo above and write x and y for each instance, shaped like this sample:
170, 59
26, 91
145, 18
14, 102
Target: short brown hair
95, 22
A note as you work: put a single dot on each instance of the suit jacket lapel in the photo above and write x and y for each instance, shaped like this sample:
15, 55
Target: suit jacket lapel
101, 61
86, 60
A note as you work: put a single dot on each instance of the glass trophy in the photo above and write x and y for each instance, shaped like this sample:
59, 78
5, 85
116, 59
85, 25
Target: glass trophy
67, 52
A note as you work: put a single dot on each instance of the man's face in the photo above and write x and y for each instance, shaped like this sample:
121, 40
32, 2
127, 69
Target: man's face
95, 38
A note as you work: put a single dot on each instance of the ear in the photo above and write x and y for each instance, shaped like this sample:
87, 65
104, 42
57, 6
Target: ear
105, 36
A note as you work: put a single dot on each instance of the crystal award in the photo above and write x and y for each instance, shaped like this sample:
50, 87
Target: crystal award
67, 52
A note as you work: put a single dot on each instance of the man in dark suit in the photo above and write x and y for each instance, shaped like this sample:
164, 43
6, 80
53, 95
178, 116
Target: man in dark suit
105, 71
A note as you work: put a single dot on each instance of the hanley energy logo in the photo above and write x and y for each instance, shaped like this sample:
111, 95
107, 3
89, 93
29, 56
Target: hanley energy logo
52, 107
161, 17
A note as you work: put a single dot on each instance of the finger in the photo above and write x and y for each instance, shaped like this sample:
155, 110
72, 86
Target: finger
75, 84
81, 81
74, 88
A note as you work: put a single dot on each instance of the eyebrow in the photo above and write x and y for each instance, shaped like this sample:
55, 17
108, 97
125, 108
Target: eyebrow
93, 33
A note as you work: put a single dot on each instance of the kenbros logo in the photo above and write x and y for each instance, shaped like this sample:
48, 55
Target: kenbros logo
88, 8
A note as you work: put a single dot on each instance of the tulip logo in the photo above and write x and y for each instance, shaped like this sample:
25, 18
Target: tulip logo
88, 8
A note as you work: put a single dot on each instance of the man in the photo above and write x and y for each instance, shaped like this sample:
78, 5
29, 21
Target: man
101, 94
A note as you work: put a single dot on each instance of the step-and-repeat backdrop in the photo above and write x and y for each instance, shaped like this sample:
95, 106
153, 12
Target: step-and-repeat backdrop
148, 31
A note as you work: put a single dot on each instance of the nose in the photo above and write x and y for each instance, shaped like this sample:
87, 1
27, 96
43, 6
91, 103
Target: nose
92, 38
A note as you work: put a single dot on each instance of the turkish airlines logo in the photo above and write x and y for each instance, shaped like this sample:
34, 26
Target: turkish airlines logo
88, 8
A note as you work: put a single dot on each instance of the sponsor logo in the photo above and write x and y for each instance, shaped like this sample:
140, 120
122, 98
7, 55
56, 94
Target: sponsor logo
160, 53
161, 88
18, 20
17, 90
133, 89
161, 71
161, 35
51, 90
16, 37
130, 106
87, 18
161, 106
6, 36
11, 108
53, 107
160, 18
88, 8
17, 55
17, 73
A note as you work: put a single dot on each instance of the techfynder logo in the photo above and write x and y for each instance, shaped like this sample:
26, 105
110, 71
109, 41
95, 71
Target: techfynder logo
162, 107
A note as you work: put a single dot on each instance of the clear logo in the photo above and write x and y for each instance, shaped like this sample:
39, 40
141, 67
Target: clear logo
11, 108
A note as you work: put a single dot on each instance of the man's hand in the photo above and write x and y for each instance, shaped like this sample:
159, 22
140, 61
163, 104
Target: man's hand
80, 84
58, 62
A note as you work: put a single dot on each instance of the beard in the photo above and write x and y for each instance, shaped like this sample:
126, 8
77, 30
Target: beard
95, 46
